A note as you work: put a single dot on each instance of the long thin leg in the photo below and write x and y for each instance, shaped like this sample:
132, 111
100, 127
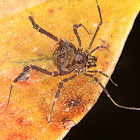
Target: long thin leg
15, 80
100, 72
108, 95
60, 86
98, 27
36, 26
25, 75
99, 48
75, 27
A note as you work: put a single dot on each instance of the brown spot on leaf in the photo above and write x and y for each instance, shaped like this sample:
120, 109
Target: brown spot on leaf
23, 122
74, 102
18, 136
68, 124
51, 11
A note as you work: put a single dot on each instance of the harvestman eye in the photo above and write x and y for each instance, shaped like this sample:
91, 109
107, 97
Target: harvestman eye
65, 57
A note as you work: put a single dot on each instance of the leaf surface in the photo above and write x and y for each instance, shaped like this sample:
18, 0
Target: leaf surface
21, 45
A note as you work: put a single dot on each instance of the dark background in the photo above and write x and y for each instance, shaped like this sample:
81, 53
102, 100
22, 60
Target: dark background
105, 120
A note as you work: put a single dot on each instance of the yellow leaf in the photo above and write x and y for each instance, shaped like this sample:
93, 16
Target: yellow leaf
21, 45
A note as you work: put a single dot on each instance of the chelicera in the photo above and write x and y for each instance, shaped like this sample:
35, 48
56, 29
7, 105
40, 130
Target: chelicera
68, 59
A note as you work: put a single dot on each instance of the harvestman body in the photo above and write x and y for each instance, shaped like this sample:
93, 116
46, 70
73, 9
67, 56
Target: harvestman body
68, 59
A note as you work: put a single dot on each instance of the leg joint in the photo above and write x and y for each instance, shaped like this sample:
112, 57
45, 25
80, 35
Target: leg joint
100, 23
60, 85
75, 26
26, 69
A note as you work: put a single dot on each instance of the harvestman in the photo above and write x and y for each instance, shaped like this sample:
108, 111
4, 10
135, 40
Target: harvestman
69, 59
